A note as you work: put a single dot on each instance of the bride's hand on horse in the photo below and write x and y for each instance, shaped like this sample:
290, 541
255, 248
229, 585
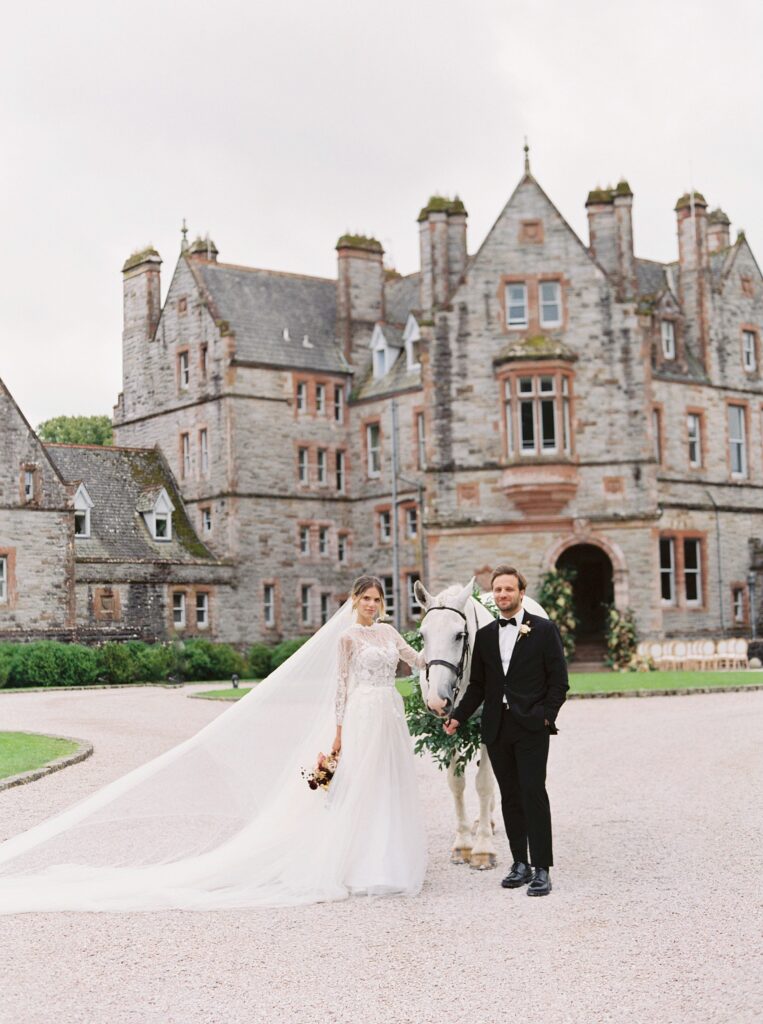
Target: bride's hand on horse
450, 726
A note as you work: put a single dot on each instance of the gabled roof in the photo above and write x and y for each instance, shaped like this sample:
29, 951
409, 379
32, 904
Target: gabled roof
401, 295
260, 304
392, 335
398, 378
651, 278
118, 481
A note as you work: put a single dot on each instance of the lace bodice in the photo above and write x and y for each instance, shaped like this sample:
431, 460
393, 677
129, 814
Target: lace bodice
368, 656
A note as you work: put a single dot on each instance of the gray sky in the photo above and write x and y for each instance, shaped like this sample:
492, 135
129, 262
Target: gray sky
278, 126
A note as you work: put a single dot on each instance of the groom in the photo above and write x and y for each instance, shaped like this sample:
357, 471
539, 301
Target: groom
520, 676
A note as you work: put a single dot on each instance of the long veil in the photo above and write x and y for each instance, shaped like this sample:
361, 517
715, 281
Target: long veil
208, 823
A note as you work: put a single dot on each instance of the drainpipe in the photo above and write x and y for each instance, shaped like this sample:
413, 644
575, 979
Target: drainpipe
720, 560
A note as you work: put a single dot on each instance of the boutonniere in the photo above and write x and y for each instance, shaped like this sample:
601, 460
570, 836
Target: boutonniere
524, 629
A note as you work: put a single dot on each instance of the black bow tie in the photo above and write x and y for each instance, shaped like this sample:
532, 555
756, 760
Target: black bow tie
506, 622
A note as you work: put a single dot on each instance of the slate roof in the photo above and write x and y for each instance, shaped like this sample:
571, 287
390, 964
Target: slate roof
401, 295
399, 378
259, 304
116, 480
650, 277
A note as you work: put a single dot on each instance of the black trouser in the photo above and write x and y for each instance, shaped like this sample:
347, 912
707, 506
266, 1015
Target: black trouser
518, 757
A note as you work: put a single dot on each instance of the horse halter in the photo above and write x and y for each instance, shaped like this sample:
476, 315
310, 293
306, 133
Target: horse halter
457, 670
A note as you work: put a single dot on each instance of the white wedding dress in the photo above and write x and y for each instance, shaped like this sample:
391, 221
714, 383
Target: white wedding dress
226, 820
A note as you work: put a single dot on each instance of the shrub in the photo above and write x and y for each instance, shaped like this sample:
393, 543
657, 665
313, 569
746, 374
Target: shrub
203, 660
260, 660
556, 598
285, 650
154, 663
117, 663
622, 638
7, 654
48, 663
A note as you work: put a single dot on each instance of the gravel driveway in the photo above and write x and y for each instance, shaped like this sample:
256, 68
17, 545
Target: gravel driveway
654, 918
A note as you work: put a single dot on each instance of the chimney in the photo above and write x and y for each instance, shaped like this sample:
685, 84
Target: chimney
141, 280
360, 293
718, 231
203, 249
442, 244
693, 265
610, 230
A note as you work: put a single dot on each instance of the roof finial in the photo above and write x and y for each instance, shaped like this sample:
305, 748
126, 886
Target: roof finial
527, 157
184, 233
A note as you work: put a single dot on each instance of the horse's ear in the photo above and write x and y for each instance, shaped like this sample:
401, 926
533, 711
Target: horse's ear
466, 593
421, 595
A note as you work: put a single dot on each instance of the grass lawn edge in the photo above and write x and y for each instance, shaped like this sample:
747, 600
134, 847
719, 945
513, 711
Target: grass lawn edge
83, 750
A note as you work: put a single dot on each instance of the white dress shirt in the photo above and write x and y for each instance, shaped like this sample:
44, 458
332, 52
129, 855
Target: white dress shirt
507, 638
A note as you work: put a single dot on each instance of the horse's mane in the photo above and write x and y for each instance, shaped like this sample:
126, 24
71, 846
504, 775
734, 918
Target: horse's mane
452, 591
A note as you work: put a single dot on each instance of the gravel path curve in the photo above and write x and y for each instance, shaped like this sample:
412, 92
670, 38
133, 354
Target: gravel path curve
655, 914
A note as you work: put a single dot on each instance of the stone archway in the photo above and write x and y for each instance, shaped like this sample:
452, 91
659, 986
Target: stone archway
593, 589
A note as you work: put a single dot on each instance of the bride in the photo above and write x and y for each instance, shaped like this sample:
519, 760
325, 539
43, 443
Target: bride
226, 820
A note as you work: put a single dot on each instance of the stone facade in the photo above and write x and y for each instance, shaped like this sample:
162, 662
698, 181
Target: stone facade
557, 403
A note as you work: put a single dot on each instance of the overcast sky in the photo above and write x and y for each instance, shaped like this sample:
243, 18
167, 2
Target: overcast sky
277, 126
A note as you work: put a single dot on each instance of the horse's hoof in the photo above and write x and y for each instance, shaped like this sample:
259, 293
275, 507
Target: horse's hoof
483, 861
460, 855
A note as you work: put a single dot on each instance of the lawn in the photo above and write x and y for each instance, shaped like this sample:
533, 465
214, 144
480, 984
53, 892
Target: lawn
24, 751
227, 694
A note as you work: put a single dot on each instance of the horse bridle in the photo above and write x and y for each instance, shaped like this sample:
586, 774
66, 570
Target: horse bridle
457, 670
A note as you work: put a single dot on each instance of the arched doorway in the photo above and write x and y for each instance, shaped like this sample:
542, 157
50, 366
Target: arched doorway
593, 589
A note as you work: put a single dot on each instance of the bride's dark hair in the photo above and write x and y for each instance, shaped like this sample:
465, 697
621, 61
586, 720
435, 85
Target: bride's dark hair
364, 583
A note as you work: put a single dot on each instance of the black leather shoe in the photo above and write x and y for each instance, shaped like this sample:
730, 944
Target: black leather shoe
520, 874
541, 883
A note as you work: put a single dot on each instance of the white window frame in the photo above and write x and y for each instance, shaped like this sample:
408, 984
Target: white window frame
322, 465
185, 455
538, 396
414, 608
411, 522
338, 404
203, 597
544, 303
421, 440
3, 579
304, 540
668, 338
749, 353
323, 540
737, 600
389, 595
320, 399
737, 441
340, 470
412, 340
342, 545
204, 451
325, 607
29, 479
305, 602
385, 525
82, 506
515, 320
668, 571
301, 396
694, 602
206, 519
269, 604
184, 369
161, 512
178, 606
694, 434
373, 449
303, 466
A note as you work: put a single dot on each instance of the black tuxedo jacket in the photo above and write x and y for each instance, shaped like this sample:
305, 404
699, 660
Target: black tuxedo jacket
535, 684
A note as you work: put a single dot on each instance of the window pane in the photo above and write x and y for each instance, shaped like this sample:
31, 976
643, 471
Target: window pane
667, 580
547, 384
525, 385
692, 570
548, 423
550, 304
527, 421
389, 595
3, 578
516, 304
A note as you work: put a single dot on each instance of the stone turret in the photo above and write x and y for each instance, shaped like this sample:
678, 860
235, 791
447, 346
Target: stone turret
360, 293
442, 244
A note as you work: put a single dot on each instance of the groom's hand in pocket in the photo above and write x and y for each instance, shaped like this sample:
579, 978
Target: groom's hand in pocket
450, 726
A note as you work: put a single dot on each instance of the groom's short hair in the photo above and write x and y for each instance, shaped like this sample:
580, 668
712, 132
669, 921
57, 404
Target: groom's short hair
508, 570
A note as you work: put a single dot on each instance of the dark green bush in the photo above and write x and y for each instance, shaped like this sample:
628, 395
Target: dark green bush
260, 660
7, 654
155, 663
202, 660
285, 650
117, 663
49, 663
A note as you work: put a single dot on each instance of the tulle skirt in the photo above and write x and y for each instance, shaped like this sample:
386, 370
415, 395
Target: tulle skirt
364, 836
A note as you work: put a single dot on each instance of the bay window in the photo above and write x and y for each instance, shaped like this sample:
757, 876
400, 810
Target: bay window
537, 414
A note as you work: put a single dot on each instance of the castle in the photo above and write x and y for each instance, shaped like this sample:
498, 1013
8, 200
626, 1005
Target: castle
556, 404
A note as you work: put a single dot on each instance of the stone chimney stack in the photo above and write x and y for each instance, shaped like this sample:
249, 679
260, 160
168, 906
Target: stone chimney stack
718, 231
610, 228
360, 293
693, 265
442, 244
203, 249
141, 279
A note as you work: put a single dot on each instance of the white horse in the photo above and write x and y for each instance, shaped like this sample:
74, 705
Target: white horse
450, 622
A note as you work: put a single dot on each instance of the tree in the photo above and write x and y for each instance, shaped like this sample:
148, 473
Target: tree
77, 430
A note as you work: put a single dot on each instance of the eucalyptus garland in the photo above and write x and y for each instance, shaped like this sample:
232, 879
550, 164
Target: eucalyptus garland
556, 596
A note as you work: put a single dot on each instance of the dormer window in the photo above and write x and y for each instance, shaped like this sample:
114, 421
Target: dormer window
412, 339
156, 508
668, 334
380, 362
82, 507
386, 343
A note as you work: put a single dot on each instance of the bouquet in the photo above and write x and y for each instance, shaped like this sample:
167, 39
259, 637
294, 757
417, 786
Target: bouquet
320, 777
